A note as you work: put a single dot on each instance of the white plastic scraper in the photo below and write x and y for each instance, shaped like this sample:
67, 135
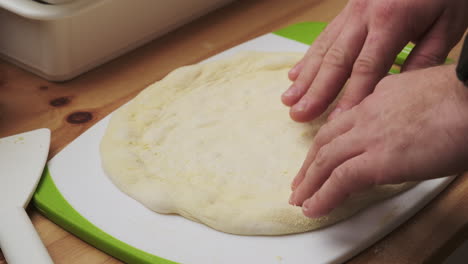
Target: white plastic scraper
22, 159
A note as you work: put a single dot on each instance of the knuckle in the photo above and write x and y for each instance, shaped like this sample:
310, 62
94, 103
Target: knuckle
319, 48
347, 179
321, 157
336, 57
366, 65
319, 139
359, 6
341, 173
317, 144
350, 99
385, 11
340, 176
429, 59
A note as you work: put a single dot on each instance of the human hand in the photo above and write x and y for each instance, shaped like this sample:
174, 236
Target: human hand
361, 44
412, 128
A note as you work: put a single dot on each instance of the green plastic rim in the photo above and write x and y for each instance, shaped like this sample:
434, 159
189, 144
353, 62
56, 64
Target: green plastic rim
50, 202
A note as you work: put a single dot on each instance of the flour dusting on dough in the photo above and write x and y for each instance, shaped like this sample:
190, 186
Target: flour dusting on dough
213, 143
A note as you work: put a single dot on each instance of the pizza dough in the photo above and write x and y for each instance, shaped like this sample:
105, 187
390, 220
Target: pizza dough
213, 143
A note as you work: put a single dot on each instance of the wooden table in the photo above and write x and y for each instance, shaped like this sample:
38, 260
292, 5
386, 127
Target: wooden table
69, 108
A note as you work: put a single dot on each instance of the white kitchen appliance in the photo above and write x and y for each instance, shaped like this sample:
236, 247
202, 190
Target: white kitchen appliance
60, 39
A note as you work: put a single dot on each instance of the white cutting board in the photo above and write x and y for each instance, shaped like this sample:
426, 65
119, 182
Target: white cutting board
76, 172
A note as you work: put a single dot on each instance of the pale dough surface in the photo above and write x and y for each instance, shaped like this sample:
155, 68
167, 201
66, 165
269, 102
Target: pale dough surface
213, 143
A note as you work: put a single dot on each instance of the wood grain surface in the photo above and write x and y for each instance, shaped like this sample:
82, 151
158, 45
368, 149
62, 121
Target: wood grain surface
69, 108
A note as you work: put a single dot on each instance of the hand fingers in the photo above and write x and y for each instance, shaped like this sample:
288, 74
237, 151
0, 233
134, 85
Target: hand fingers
372, 64
433, 48
326, 160
294, 72
327, 133
306, 69
352, 176
334, 71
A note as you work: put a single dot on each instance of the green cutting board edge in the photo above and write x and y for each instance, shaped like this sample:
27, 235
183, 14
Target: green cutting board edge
50, 202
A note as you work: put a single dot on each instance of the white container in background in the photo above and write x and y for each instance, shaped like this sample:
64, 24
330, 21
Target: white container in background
60, 41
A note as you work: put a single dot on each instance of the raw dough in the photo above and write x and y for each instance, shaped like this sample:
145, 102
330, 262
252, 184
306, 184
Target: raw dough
213, 143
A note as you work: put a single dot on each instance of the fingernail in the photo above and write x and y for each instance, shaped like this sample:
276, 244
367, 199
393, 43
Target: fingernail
293, 186
310, 213
315, 215
290, 92
335, 113
294, 70
300, 107
291, 200
305, 210
295, 183
313, 212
